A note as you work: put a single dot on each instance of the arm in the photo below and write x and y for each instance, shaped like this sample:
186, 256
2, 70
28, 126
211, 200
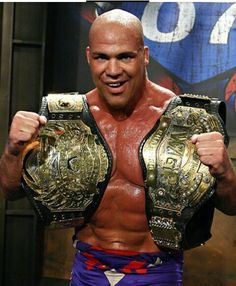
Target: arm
212, 152
24, 128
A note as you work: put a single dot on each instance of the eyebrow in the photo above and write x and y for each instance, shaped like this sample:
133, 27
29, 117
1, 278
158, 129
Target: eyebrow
127, 54
120, 55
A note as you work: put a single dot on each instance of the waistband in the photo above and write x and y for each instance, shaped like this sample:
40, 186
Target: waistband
127, 261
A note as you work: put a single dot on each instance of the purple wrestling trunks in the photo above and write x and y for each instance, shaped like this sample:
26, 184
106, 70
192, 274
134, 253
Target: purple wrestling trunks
94, 266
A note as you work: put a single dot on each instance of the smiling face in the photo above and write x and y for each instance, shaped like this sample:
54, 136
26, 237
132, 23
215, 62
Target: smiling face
118, 60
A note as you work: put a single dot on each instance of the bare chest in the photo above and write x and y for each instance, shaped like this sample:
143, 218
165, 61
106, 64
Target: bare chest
124, 139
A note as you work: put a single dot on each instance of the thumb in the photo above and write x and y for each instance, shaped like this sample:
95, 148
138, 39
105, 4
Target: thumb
194, 138
42, 120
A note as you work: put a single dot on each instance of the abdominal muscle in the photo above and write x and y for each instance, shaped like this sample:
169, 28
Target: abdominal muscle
120, 221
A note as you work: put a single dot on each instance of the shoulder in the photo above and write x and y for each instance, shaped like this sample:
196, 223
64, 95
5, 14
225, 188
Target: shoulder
92, 97
95, 103
160, 96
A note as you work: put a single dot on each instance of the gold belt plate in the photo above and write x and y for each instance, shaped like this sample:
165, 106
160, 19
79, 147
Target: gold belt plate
64, 166
177, 182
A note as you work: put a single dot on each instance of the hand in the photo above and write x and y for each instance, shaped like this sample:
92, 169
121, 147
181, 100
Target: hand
212, 152
24, 128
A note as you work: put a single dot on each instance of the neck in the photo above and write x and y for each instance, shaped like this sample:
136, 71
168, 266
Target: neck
138, 103
120, 115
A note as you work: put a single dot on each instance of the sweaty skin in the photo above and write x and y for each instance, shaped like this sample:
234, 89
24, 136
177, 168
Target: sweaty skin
120, 221
125, 105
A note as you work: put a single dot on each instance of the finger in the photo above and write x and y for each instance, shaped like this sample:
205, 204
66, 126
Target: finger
24, 120
210, 151
25, 126
210, 144
206, 159
211, 136
215, 165
27, 114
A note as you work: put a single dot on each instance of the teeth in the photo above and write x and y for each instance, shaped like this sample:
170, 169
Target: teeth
115, 84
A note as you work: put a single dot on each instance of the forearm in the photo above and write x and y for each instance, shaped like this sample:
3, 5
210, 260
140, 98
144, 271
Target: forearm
10, 175
24, 128
226, 192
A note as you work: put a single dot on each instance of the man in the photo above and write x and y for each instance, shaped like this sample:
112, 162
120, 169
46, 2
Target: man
116, 246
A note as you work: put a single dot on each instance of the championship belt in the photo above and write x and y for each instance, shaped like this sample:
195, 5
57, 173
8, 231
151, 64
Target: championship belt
177, 183
66, 169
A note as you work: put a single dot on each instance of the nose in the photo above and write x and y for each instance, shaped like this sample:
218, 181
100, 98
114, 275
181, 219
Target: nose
113, 68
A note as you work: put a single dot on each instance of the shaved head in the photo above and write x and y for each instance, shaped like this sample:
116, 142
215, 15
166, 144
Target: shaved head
117, 17
118, 59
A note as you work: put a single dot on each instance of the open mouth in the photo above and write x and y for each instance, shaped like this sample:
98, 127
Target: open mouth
115, 84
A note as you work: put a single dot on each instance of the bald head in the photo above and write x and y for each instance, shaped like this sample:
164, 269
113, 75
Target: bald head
117, 17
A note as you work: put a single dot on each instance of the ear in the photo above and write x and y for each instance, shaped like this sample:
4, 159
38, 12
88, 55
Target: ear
146, 55
88, 54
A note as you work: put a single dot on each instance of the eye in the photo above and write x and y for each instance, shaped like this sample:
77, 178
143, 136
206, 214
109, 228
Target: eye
100, 57
126, 57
